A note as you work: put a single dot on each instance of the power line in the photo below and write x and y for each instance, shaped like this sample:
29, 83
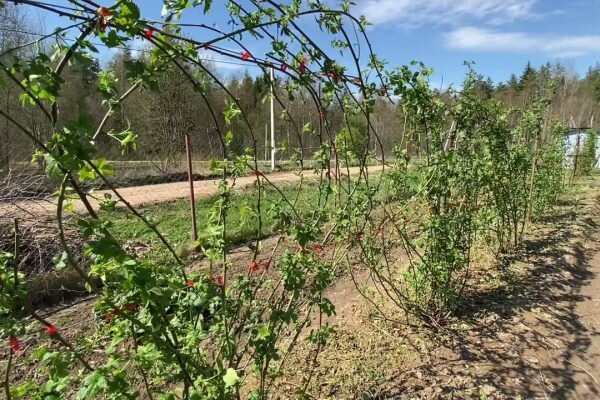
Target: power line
48, 35
67, 8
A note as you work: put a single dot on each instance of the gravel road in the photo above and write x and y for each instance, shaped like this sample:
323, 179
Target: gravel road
140, 196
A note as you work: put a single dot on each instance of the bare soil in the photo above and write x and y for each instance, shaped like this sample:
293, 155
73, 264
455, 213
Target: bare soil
533, 333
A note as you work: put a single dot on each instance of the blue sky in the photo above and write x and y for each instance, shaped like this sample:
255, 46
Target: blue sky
500, 36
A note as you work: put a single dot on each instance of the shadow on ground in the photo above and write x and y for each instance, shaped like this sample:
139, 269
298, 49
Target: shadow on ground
528, 337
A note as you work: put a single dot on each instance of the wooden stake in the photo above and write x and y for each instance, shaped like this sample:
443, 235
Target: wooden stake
188, 153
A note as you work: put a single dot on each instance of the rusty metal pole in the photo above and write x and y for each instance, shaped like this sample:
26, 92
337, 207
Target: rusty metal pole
188, 153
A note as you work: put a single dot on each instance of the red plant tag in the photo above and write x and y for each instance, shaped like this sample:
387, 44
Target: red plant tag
246, 56
317, 248
219, 281
130, 307
51, 330
149, 33
103, 16
103, 12
15, 345
302, 66
254, 267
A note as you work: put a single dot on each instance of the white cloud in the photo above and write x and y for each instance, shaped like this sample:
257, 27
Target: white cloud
481, 39
415, 13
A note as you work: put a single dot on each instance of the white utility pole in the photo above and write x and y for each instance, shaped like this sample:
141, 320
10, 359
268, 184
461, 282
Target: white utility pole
273, 148
266, 139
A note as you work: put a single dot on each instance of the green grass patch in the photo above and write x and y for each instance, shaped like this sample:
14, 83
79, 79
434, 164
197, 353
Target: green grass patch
173, 219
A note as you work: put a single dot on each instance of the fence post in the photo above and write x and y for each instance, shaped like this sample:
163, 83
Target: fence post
576, 157
188, 153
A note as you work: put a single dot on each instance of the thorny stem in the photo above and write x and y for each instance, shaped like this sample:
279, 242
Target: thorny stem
16, 279
32, 96
135, 212
63, 63
61, 233
59, 337
7, 376
141, 369
132, 89
384, 284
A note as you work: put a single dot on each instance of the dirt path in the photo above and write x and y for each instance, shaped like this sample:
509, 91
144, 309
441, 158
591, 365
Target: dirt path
568, 324
139, 196
537, 337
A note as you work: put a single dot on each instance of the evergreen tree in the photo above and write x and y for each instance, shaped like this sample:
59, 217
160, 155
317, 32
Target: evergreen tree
513, 82
589, 152
592, 81
528, 75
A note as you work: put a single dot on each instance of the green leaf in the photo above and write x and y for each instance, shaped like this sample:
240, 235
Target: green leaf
86, 174
126, 139
195, 394
228, 138
94, 383
130, 10
40, 353
104, 167
26, 99
207, 5
52, 167
230, 378
60, 261
108, 204
231, 112
113, 39
307, 129
264, 332
245, 213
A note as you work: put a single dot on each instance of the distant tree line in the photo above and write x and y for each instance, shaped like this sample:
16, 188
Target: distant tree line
160, 118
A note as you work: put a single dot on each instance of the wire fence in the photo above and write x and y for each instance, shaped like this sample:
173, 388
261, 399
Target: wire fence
151, 174
24, 180
577, 161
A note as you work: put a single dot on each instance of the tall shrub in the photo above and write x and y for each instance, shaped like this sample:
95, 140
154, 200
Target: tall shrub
588, 160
